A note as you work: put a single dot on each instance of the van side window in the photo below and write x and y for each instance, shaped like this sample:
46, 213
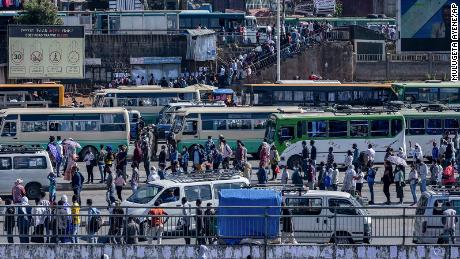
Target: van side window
196, 192
5, 163
221, 186
170, 195
310, 206
341, 206
9, 130
26, 162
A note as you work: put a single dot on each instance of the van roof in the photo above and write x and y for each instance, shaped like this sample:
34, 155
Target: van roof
166, 183
335, 194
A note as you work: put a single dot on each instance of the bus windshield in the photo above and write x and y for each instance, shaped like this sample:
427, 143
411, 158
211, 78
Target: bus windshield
178, 122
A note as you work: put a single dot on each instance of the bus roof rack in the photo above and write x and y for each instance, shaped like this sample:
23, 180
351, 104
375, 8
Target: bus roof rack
453, 190
8, 149
440, 107
208, 175
366, 110
283, 188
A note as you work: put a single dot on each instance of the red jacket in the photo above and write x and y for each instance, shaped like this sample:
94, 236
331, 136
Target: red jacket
448, 176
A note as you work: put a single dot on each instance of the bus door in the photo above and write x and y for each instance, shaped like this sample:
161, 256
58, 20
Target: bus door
9, 134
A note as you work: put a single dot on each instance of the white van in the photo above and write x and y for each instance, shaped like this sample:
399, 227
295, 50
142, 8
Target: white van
29, 164
204, 186
328, 216
428, 227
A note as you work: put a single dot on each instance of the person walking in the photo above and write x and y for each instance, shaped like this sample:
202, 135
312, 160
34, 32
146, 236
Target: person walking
134, 182
274, 160
93, 214
226, 152
241, 155
216, 158
284, 175
449, 220
10, 221
310, 175
108, 161
185, 220
413, 181
184, 159
90, 162
371, 173
355, 160
422, 168
119, 183
296, 177
197, 158
77, 182
24, 220
313, 152
122, 160
100, 162
387, 180
116, 224
400, 183
174, 158
349, 183
157, 223
208, 148
52, 186
330, 158
287, 235
435, 152
110, 191
264, 155
75, 210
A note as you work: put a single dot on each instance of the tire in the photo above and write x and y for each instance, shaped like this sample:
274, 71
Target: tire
293, 160
33, 190
86, 149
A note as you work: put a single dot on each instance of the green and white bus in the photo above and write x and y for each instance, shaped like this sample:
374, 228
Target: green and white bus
90, 127
426, 127
148, 100
428, 92
193, 125
337, 130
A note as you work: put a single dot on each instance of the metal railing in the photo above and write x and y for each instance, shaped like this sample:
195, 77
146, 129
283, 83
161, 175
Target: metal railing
370, 57
267, 225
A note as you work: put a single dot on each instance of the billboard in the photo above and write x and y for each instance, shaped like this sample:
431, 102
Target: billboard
51, 52
424, 25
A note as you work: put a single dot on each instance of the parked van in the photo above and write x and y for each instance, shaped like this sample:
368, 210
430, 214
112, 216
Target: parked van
328, 216
32, 165
428, 227
170, 192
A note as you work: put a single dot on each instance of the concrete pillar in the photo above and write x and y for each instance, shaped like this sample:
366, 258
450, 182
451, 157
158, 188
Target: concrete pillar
387, 67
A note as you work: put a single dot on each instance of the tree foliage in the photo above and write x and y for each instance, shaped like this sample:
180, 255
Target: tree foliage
39, 12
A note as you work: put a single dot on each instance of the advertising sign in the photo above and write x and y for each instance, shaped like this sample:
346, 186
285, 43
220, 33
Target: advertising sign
425, 25
53, 52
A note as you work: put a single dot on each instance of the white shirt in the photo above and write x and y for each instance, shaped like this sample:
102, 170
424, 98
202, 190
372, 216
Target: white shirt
284, 176
361, 177
371, 154
450, 215
88, 158
138, 81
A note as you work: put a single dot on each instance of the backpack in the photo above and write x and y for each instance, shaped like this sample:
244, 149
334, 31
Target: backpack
327, 181
95, 223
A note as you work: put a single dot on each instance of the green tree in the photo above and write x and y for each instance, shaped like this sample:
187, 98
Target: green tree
39, 12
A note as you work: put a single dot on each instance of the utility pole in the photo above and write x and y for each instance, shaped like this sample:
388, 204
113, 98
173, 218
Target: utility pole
278, 40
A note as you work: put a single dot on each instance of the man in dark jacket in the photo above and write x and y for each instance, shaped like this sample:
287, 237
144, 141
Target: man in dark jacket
199, 223
9, 221
77, 182
288, 229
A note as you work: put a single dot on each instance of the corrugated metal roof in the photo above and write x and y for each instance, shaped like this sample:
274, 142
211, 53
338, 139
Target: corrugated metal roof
200, 32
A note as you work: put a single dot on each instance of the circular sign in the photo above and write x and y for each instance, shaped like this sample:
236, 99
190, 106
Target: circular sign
17, 57
73, 57
36, 57
55, 57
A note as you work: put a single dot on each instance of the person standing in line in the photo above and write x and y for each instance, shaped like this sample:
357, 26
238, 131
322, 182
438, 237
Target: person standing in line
399, 182
146, 155
52, 186
449, 220
264, 155
24, 220
75, 210
199, 223
413, 181
313, 152
132, 232
134, 177
100, 162
241, 155
61, 155
116, 224
174, 158
162, 157
370, 154
330, 158
208, 148
334, 172
310, 174
108, 161
10, 221
18, 191
355, 160
274, 160
156, 223
216, 158
197, 158
77, 182
184, 159
348, 159
92, 212
359, 182
305, 156
119, 183
122, 160
226, 154
349, 183
448, 176
209, 223
38, 220
153, 136
284, 175
89, 160
185, 220
422, 168
321, 176
435, 152
287, 235
387, 179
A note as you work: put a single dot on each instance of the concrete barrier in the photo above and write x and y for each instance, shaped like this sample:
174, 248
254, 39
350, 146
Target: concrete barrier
84, 251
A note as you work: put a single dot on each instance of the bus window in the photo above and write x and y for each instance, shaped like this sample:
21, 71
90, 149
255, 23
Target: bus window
359, 129
428, 94
190, 128
301, 128
338, 129
411, 95
448, 94
380, 128
282, 95
299, 96
344, 96
239, 124
434, 127
331, 97
9, 129
417, 127
259, 123
33, 126
396, 127
317, 129
214, 125
286, 133
451, 125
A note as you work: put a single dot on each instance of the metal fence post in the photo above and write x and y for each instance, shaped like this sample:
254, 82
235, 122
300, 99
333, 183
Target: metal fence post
404, 225
266, 230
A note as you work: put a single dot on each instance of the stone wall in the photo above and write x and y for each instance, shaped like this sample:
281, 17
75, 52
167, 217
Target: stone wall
70, 251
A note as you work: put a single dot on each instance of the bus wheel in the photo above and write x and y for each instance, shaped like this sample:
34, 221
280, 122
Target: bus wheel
86, 149
293, 160
33, 190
